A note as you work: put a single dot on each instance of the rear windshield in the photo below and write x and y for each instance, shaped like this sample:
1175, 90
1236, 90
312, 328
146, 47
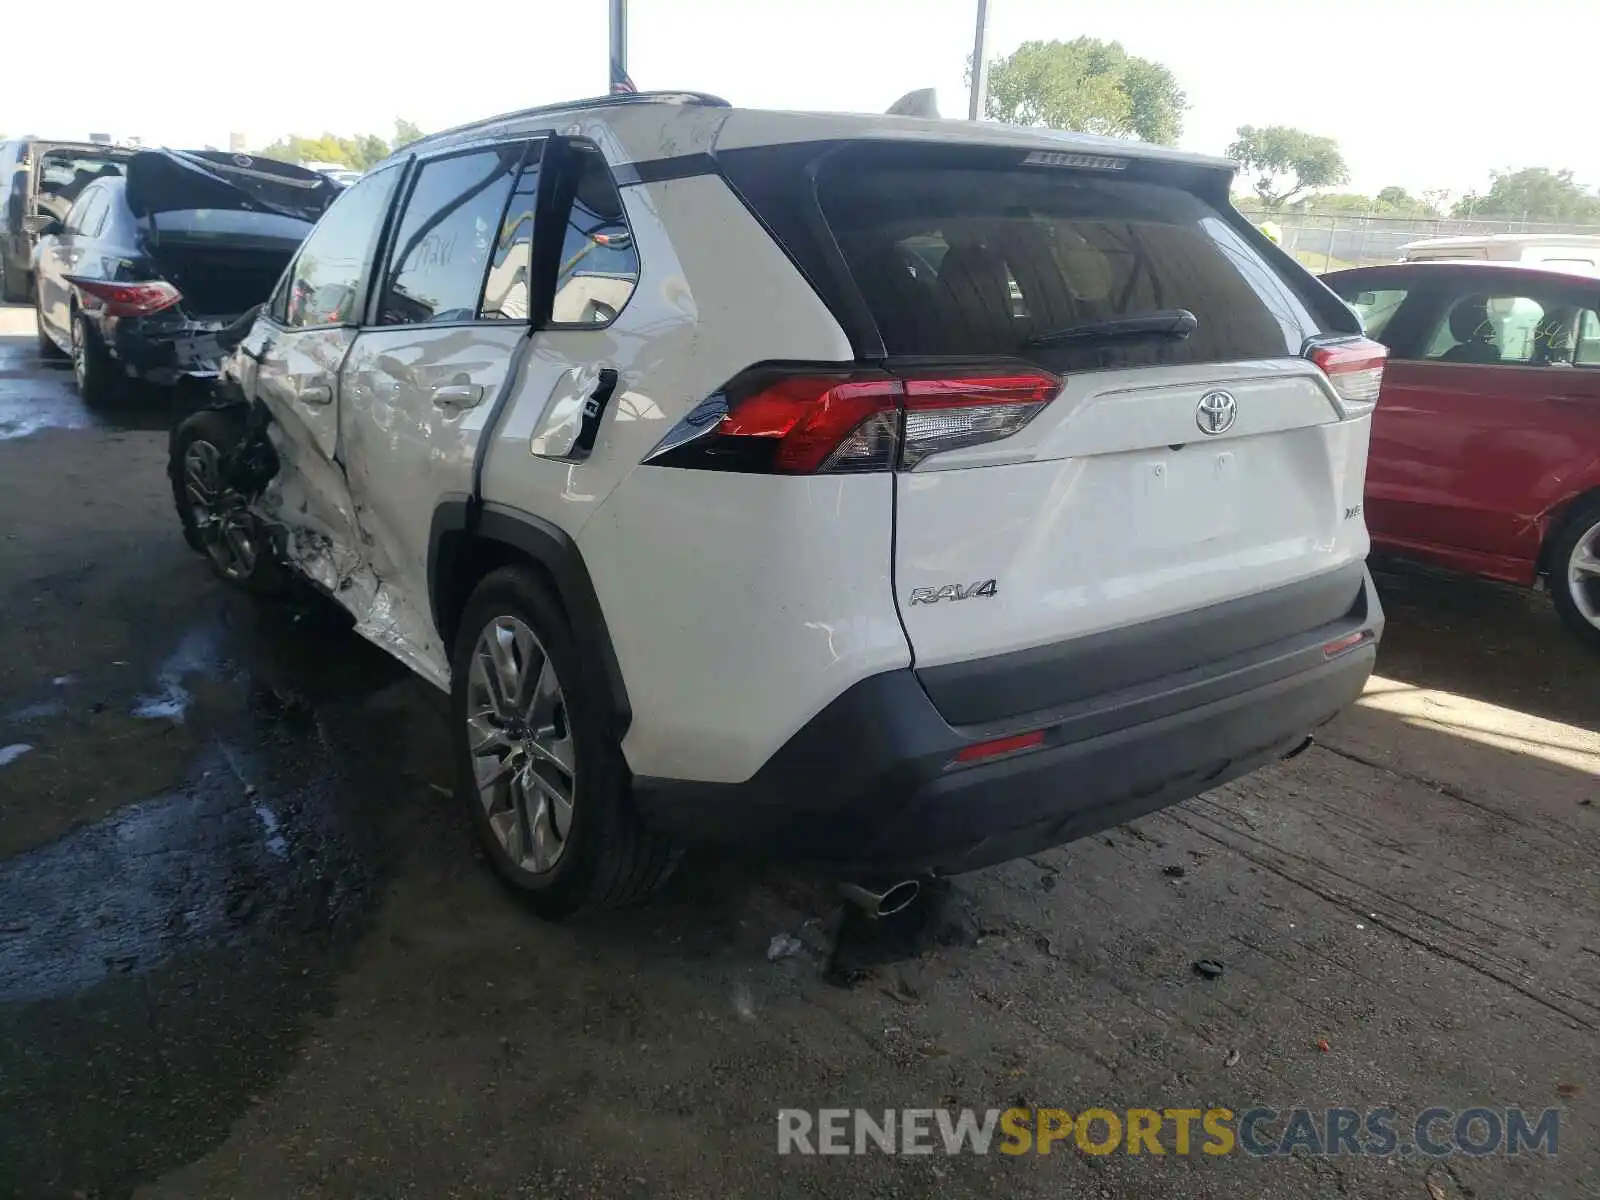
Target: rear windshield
978, 261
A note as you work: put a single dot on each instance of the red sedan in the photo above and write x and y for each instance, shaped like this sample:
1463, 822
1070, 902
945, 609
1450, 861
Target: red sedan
1485, 450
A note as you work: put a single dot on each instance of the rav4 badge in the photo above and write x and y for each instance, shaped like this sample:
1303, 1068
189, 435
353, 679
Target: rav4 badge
953, 591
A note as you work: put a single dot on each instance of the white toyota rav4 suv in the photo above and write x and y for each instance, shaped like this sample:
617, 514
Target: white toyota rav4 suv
894, 496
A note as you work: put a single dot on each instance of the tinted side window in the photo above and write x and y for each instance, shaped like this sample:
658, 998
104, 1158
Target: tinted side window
95, 220
506, 291
82, 213
1374, 305
599, 262
446, 236
1509, 328
1588, 351
325, 286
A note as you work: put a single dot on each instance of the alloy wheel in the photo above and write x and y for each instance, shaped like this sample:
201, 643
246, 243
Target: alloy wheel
521, 745
1583, 575
219, 513
80, 357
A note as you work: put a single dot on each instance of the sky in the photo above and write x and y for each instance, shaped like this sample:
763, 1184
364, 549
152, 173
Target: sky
1419, 93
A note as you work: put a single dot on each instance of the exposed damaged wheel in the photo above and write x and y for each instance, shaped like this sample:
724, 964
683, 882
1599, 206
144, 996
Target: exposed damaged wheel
92, 367
538, 768
216, 517
1575, 571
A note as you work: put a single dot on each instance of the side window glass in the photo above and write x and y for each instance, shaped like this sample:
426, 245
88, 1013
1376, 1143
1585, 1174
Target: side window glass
95, 219
445, 238
506, 289
79, 211
599, 263
278, 306
1587, 351
1489, 329
1376, 308
325, 284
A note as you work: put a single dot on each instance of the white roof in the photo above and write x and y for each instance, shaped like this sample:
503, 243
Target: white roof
652, 126
1498, 239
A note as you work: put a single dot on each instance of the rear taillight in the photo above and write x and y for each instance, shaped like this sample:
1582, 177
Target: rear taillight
1355, 368
130, 299
797, 421
953, 412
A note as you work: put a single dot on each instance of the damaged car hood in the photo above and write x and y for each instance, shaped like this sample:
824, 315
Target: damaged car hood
176, 180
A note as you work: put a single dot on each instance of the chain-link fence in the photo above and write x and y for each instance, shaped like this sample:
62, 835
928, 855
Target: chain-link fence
1331, 241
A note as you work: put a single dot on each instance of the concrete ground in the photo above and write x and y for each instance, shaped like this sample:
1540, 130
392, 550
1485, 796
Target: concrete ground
246, 949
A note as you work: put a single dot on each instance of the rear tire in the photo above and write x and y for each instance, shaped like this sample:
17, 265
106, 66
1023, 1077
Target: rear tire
538, 769
48, 350
93, 369
216, 520
1575, 570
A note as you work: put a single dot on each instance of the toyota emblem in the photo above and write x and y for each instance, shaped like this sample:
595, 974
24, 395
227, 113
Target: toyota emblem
1216, 413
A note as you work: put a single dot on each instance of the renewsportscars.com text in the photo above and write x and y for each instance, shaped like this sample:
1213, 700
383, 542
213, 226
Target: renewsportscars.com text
1256, 1132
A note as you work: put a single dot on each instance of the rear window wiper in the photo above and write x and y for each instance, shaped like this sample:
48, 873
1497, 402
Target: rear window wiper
1167, 324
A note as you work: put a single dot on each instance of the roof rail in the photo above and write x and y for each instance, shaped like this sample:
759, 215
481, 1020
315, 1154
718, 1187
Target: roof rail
622, 99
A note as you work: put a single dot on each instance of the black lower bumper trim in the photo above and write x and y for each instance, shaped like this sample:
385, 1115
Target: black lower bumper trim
868, 787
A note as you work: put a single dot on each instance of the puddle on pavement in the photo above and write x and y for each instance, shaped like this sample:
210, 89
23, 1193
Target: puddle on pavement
10, 754
212, 864
159, 969
198, 653
36, 395
41, 711
38, 399
161, 966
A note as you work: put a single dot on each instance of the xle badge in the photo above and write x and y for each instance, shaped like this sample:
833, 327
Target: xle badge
953, 591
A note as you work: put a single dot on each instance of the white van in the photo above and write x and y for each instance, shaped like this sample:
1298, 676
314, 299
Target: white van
1558, 251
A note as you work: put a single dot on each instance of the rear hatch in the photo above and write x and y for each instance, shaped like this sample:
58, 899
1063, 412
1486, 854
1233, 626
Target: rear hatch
61, 170
1176, 448
221, 228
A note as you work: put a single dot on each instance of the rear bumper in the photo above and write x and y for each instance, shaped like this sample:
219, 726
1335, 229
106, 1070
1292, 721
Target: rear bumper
868, 787
164, 353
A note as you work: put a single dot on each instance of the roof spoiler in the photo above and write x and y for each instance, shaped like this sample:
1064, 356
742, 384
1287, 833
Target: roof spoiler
924, 102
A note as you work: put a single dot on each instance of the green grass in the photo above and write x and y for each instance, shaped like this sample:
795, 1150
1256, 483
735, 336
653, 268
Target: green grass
1320, 263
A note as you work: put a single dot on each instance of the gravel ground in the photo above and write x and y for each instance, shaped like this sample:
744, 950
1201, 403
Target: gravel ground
246, 949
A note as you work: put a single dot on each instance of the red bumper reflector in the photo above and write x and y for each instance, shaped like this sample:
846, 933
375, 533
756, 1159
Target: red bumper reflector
1346, 644
979, 751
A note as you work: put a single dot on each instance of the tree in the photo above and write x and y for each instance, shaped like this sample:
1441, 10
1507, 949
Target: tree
361, 152
1288, 161
1534, 194
370, 151
297, 148
404, 133
1086, 85
1397, 202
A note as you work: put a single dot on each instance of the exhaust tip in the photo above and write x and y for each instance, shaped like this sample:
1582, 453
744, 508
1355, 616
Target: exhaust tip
1301, 748
895, 898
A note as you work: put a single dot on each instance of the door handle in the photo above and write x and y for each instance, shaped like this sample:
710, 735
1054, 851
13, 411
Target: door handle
316, 393
456, 397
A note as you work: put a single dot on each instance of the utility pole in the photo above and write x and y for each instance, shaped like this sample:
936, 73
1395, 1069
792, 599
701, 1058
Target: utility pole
617, 68
980, 65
